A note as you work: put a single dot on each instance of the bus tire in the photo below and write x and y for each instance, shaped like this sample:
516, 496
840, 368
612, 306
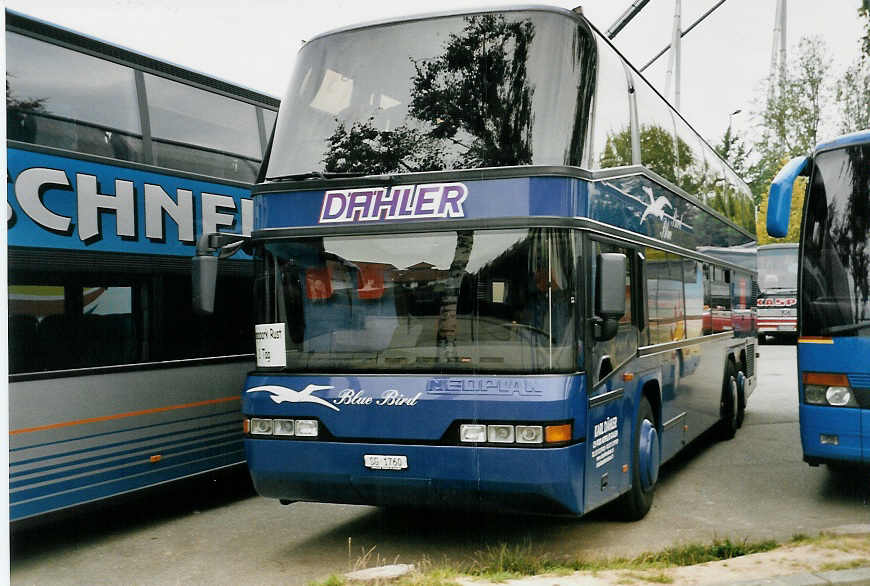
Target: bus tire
728, 403
645, 460
741, 398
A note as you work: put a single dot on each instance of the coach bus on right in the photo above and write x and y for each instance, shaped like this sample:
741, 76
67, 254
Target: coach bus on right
777, 299
833, 297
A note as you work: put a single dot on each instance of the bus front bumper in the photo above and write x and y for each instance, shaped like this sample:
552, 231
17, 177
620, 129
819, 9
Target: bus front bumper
547, 480
835, 434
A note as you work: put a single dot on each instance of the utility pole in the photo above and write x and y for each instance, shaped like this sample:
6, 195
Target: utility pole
674, 58
623, 20
778, 51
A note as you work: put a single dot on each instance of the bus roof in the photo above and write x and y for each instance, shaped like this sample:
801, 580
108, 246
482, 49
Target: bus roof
860, 137
447, 13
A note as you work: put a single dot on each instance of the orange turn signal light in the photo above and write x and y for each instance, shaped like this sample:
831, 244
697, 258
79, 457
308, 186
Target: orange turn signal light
155, 458
825, 379
246, 426
628, 376
557, 433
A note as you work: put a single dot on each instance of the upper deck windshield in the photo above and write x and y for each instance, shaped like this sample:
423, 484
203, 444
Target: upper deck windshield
778, 268
480, 90
467, 301
835, 279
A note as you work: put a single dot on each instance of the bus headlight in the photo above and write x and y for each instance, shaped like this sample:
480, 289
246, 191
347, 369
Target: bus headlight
828, 389
472, 433
261, 427
284, 427
500, 434
530, 434
306, 428
839, 396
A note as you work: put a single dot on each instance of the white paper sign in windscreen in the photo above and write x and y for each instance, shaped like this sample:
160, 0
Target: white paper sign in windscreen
270, 345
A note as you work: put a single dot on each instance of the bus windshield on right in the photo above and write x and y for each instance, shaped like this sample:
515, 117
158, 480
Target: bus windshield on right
835, 279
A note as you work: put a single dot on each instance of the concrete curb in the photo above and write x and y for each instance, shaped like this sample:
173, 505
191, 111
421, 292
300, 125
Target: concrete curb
854, 576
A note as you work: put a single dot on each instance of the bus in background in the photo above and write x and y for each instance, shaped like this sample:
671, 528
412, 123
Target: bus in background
833, 355
719, 316
777, 300
116, 162
485, 300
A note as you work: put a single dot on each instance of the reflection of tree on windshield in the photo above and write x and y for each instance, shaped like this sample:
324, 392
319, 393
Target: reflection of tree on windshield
365, 149
447, 326
474, 99
657, 146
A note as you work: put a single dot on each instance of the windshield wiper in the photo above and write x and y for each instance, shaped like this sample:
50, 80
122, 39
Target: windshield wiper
847, 328
315, 175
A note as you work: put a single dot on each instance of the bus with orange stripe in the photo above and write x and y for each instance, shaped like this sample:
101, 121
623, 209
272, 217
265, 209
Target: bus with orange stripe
833, 296
116, 163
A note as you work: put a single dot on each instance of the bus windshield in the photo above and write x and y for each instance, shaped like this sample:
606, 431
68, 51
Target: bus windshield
481, 90
464, 301
777, 268
835, 281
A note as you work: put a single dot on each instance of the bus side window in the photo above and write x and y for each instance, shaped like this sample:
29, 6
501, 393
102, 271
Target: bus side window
51, 100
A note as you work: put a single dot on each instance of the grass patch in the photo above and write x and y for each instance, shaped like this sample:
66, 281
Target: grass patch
689, 555
660, 578
850, 565
503, 562
333, 580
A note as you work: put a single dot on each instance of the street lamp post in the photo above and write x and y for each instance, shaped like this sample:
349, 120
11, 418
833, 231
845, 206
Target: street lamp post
731, 117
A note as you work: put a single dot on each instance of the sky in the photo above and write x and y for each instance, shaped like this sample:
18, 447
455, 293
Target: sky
254, 42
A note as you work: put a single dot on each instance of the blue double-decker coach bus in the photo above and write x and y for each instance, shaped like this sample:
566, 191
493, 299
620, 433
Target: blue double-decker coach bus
478, 276
116, 163
833, 297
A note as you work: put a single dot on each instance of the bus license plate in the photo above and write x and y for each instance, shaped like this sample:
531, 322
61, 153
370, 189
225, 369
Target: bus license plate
380, 462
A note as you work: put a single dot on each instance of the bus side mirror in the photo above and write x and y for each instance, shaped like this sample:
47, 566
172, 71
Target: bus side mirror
609, 295
204, 284
779, 199
205, 267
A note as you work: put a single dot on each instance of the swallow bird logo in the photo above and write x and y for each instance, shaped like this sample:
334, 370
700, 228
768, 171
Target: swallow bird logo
284, 395
656, 206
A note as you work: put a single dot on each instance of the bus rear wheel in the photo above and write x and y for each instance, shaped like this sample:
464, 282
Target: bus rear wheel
729, 405
645, 460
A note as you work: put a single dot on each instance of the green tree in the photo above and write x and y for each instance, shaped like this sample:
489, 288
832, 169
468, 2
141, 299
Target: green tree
791, 123
853, 88
792, 117
733, 149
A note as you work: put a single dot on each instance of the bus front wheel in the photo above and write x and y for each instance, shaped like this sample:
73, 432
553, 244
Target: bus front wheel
645, 460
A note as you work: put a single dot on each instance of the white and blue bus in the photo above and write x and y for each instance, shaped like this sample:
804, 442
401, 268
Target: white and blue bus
116, 163
479, 276
833, 296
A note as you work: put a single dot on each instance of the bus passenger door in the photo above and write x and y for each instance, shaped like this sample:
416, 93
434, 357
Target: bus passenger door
609, 419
